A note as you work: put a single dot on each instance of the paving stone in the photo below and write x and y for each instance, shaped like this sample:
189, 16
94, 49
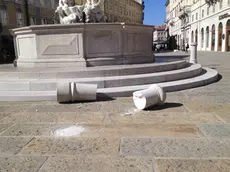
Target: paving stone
142, 130
96, 164
193, 165
175, 147
44, 130
216, 130
58, 117
21, 163
225, 116
199, 106
152, 117
75, 107
72, 146
3, 115
3, 127
12, 108
12, 145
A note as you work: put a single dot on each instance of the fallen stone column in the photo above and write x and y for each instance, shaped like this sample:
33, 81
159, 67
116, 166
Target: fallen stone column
64, 92
154, 95
81, 92
71, 92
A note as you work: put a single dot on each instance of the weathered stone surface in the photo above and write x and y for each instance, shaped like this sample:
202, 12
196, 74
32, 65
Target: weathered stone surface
102, 164
55, 118
12, 145
73, 146
216, 130
193, 165
21, 163
175, 147
3, 127
152, 117
225, 116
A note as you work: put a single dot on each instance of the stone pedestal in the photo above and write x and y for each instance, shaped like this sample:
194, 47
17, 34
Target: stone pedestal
193, 53
82, 45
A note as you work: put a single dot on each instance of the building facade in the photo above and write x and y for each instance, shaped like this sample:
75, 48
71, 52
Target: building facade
129, 11
197, 21
159, 33
19, 13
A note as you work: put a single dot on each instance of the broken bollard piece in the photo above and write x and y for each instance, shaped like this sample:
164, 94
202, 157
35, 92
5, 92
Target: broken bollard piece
64, 92
83, 91
154, 95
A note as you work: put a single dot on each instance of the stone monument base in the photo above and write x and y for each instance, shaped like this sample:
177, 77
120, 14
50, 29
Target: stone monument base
82, 45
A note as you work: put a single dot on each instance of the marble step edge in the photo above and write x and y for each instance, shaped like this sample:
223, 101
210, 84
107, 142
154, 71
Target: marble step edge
104, 82
206, 78
209, 77
96, 71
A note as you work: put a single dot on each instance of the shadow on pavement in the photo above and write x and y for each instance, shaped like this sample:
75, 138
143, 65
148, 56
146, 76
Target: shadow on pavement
165, 106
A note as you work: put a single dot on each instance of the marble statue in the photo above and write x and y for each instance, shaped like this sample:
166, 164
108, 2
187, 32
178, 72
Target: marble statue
69, 13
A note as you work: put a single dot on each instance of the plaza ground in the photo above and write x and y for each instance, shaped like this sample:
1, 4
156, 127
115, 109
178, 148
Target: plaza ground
190, 133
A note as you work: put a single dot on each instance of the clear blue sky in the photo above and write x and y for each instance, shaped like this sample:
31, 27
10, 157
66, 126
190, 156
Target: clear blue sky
154, 12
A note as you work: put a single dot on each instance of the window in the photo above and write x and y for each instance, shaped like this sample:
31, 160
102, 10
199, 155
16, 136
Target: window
228, 2
202, 13
221, 4
213, 8
202, 38
192, 17
44, 21
4, 16
207, 37
196, 16
32, 21
19, 18
208, 8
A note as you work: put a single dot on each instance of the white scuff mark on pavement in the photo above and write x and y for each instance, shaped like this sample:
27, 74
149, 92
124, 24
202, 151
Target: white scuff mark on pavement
130, 112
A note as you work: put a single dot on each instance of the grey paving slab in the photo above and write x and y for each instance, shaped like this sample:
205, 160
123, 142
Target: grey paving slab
55, 117
216, 130
225, 116
43, 130
152, 117
175, 147
172, 165
3, 115
72, 146
12, 145
3, 127
21, 163
96, 164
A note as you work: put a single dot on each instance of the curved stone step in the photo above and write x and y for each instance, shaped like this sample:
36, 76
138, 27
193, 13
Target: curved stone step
116, 70
208, 77
104, 82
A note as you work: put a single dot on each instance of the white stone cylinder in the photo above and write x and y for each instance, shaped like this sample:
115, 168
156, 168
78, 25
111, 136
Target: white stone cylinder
154, 95
81, 92
193, 53
64, 92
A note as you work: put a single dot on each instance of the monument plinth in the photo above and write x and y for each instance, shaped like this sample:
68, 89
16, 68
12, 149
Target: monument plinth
83, 44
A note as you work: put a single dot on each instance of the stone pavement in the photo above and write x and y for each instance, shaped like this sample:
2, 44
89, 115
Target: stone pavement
190, 133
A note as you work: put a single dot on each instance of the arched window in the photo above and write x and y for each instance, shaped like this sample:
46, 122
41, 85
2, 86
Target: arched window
202, 37
4, 15
19, 18
196, 36
207, 37
192, 36
213, 38
221, 4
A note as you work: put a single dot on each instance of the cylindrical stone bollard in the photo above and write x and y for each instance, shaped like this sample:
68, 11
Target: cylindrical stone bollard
64, 92
154, 95
193, 53
81, 92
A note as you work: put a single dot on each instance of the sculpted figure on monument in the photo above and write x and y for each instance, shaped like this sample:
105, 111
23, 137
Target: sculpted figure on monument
70, 13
